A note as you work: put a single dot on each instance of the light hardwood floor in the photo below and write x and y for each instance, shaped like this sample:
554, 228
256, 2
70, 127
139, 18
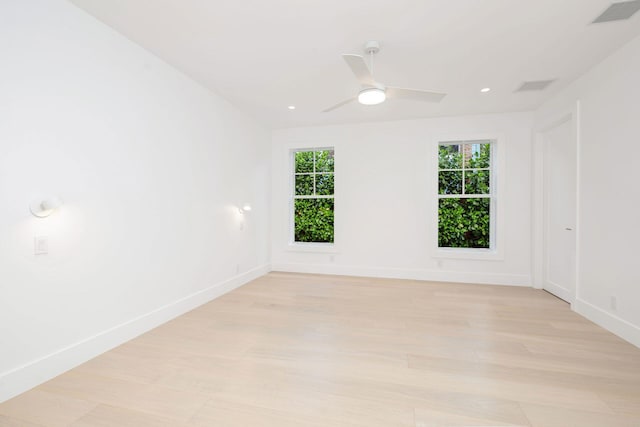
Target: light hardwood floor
308, 350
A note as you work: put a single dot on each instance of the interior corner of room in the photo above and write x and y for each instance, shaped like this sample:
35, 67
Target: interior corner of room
146, 170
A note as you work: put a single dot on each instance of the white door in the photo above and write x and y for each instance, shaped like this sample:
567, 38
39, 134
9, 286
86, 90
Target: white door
560, 158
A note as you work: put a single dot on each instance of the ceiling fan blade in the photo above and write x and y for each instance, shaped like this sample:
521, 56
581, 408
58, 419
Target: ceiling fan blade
339, 105
414, 94
359, 68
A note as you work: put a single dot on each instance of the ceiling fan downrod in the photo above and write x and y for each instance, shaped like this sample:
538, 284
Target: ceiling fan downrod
371, 48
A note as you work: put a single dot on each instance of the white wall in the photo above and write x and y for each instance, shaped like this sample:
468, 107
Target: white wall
608, 128
385, 199
150, 166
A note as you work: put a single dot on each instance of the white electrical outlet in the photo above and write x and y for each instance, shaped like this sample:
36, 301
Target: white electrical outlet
40, 245
614, 302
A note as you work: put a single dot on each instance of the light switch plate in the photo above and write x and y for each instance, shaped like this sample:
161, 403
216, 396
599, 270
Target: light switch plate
40, 245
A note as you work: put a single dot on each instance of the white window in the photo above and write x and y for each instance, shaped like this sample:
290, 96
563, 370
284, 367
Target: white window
466, 195
313, 195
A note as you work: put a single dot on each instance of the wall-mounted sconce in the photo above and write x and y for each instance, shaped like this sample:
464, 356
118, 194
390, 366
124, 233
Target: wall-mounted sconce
45, 207
246, 207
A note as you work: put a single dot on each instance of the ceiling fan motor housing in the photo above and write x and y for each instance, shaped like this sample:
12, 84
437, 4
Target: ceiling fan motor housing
372, 47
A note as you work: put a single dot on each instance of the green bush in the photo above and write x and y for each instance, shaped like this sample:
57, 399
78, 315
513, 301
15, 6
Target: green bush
313, 218
464, 222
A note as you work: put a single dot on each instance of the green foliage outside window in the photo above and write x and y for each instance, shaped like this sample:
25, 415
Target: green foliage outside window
463, 223
314, 220
313, 197
464, 169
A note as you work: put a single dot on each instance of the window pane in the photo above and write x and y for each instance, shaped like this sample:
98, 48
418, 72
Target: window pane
304, 185
450, 182
464, 223
476, 182
324, 184
477, 155
449, 157
324, 161
313, 220
304, 161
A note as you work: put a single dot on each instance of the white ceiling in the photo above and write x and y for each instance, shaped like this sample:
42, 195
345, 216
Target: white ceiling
265, 55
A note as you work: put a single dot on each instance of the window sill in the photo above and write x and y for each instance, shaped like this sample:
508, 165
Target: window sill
470, 254
323, 248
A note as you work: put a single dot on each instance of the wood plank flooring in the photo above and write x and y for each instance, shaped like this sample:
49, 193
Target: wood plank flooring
310, 350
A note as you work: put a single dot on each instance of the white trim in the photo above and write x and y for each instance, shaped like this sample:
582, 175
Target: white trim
468, 253
538, 231
537, 195
625, 330
498, 188
557, 290
576, 129
319, 247
36, 372
405, 273
292, 245
556, 121
537, 210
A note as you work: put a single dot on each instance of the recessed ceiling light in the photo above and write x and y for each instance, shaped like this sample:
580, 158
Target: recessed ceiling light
291, 107
485, 90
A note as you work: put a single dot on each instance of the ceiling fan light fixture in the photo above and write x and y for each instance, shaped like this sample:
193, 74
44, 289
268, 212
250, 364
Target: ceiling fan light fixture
374, 92
371, 96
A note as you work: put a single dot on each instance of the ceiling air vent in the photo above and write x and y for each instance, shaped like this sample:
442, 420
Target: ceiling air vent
618, 11
536, 85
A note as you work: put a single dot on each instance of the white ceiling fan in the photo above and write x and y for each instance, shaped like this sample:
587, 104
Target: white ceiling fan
373, 92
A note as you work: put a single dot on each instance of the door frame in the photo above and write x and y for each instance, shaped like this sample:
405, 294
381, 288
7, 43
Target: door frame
538, 231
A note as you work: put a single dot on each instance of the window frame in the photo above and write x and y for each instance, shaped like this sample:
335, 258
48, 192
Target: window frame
496, 246
292, 243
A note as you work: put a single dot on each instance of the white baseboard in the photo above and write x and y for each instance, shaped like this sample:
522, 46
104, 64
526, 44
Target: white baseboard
36, 372
625, 330
411, 274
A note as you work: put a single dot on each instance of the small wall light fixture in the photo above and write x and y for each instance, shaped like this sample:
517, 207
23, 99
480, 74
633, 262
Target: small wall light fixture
245, 207
42, 208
